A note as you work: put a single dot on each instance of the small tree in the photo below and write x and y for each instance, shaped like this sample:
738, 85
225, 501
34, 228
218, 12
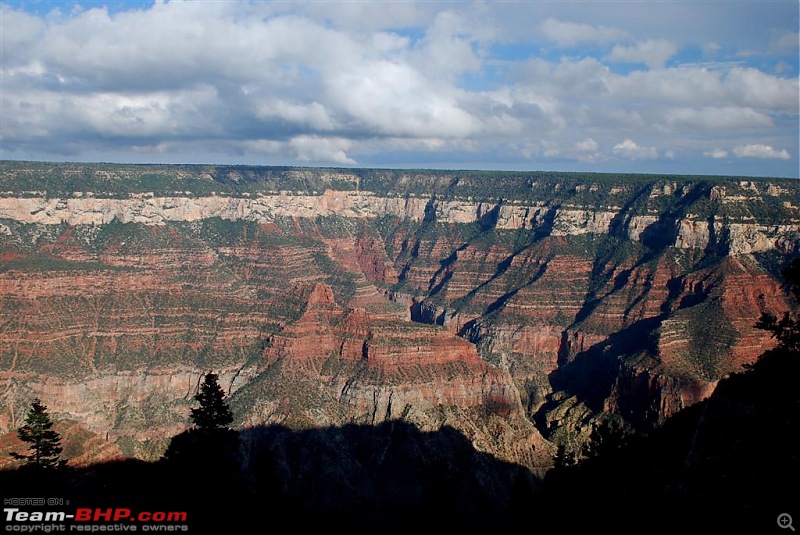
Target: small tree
211, 442
213, 413
44, 444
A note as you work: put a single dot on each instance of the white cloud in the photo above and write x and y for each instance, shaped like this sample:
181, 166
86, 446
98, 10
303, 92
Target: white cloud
578, 78
631, 150
19, 34
317, 149
311, 115
711, 118
761, 151
568, 34
587, 151
587, 144
698, 86
716, 153
653, 53
328, 82
160, 114
395, 99
446, 50
690, 86
751, 87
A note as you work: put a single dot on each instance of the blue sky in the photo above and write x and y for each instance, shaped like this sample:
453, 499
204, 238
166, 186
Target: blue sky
676, 87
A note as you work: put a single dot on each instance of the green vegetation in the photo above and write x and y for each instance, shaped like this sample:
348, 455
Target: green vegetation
585, 189
712, 334
40, 261
44, 443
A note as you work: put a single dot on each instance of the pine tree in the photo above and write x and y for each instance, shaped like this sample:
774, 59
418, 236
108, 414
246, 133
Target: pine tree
44, 443
213, 413
211, 442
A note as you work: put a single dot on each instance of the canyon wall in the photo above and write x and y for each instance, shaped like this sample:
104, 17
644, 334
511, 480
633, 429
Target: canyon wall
514, 307
747, 235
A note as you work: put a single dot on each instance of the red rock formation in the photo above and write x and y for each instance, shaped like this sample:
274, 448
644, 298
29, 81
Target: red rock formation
401, 353
303, 301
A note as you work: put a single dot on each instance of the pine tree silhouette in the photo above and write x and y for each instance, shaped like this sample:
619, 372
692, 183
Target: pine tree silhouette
213, 413
44, 443
210, 442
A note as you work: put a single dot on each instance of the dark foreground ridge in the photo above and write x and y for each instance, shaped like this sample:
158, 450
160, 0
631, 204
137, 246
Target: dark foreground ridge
727, 465
368, 477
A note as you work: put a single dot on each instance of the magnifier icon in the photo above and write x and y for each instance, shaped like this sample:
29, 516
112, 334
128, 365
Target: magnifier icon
785, 521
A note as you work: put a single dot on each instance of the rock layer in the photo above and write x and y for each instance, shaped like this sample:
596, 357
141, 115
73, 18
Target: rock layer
508, 316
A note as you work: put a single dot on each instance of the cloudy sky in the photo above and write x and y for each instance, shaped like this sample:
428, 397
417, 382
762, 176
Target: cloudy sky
686, 87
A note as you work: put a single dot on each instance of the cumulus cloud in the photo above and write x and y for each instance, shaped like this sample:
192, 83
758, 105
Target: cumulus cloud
761, 151
631, 150
447, 50
344, 83
714, 118
315, 149
391, 98
716, 153
588, 151
217, 70
698, 86
587, 144
653, 53
752, 87
19, 34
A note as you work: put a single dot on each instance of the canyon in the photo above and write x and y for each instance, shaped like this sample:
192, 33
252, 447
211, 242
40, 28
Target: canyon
517, 308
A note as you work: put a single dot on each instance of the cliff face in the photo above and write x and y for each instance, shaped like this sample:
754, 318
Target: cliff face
740, 237
514, 312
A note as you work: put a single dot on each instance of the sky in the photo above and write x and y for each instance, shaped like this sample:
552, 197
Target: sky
702, 87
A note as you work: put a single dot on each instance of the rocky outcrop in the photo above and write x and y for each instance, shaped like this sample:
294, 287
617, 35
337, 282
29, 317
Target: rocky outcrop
373, 369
